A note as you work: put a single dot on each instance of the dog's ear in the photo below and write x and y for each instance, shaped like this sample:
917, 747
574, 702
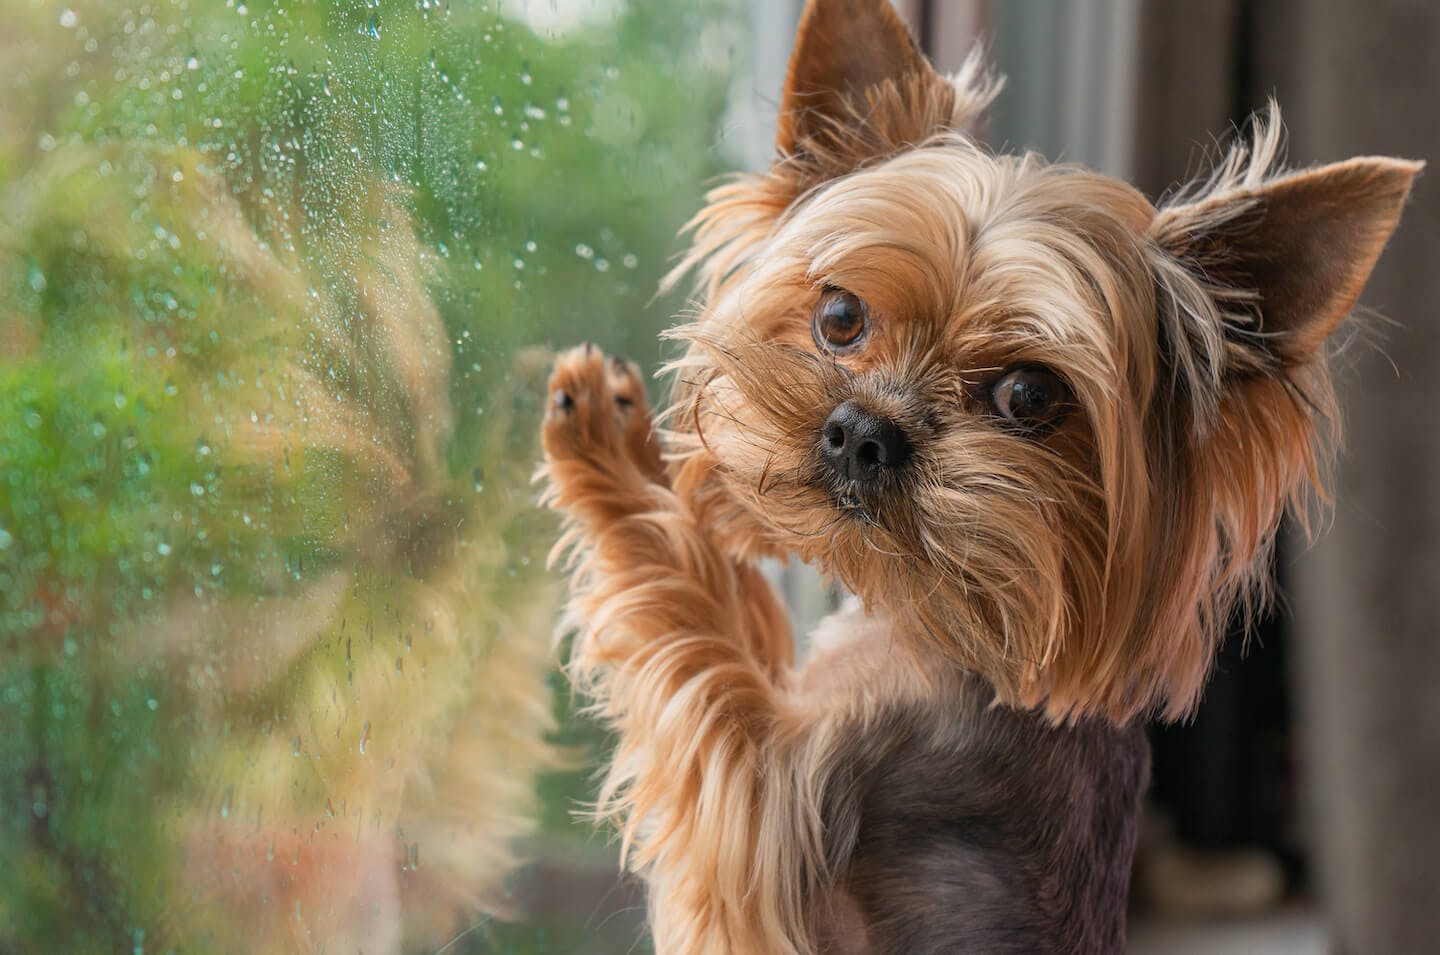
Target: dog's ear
859, 88
842, 49
1291, 254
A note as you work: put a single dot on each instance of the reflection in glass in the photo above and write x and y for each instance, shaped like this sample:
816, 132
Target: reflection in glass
275, 662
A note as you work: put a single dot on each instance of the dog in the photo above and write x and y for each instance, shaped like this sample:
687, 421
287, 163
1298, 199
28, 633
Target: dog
1041, 428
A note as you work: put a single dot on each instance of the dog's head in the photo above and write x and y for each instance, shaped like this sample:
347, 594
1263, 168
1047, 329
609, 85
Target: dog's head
1045, 425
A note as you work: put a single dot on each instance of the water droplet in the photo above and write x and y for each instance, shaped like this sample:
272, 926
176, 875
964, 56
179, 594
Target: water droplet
152, 703
69, 19
295, 746
584, 251
372, 30
163, 549
6, 539
480, 165
364, 737
530, 246
630, 261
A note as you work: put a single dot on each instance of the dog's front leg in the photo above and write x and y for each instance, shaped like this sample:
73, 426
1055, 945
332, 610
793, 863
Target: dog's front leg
711, 780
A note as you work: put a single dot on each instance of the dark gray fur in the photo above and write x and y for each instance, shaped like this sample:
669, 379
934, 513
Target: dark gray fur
959, 826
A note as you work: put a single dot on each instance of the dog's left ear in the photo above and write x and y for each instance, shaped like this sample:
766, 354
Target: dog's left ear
1295, 252
860, 89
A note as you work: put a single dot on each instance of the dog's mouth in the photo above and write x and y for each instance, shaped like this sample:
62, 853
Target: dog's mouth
855, 502
849, 501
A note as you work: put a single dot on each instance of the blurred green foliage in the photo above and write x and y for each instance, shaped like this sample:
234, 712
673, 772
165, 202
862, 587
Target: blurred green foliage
269, 562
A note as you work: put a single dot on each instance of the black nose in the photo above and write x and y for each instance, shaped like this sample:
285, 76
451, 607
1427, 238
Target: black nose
861, 446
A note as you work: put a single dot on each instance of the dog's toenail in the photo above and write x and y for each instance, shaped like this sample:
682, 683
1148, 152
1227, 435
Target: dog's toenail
562, 400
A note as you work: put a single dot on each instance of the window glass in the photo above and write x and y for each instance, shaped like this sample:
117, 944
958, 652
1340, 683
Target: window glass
275, 625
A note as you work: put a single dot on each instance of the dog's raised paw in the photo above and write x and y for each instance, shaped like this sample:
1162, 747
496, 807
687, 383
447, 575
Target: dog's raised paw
580, 417
633, 413
597, 410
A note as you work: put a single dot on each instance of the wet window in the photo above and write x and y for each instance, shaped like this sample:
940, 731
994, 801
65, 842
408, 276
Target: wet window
276, 280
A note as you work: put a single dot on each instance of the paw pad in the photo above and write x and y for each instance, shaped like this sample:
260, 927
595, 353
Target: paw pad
597, 407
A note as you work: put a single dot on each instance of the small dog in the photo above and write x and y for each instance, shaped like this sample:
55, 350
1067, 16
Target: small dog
1041, 428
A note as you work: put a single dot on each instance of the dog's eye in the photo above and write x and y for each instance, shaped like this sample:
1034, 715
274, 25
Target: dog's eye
839, 321
1030, 396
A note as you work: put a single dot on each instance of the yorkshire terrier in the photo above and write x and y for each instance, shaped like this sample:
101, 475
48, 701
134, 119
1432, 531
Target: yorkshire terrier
1041, 428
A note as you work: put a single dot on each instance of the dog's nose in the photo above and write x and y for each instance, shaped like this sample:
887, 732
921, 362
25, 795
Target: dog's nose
861, 446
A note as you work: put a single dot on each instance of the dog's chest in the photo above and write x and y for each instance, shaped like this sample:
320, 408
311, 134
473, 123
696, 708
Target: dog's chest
960, 826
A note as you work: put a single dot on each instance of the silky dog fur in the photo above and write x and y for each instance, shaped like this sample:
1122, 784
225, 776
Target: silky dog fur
958, 763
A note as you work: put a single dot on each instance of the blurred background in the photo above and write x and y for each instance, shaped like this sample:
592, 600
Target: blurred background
276, 286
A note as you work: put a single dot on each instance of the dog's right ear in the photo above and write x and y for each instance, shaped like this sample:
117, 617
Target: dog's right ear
859, 88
